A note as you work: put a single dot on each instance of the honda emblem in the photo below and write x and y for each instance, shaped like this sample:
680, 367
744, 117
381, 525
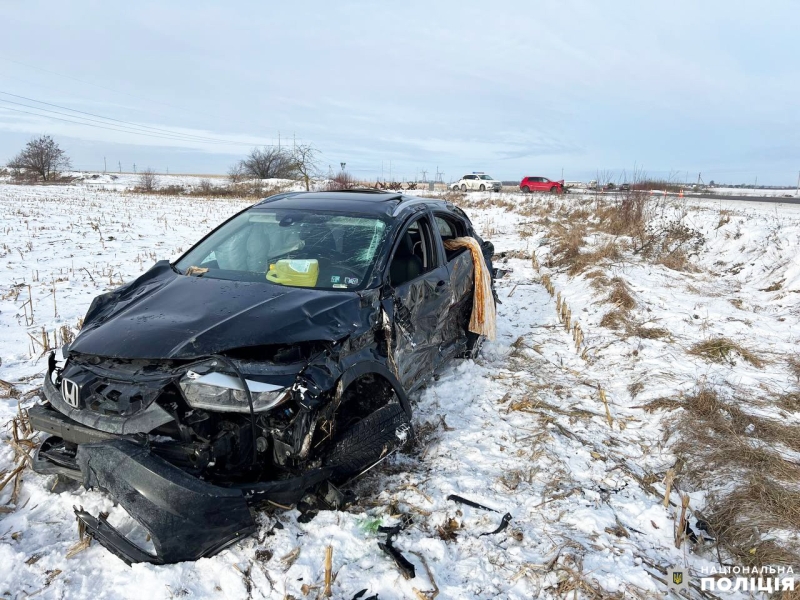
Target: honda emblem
71, 392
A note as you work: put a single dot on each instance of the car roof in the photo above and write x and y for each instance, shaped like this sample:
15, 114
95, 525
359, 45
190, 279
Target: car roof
366, 202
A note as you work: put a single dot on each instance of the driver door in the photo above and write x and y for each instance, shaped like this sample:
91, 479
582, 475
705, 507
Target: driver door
418, 304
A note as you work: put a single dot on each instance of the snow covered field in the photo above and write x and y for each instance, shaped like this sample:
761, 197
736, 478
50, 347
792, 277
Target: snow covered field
563, 436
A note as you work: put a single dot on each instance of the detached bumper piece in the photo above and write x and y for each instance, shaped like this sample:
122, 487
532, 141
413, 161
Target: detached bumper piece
186, 518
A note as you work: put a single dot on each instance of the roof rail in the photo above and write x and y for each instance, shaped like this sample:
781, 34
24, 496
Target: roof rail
363, 190
280, 196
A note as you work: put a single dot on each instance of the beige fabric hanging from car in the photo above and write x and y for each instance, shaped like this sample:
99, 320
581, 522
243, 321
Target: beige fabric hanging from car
484, 317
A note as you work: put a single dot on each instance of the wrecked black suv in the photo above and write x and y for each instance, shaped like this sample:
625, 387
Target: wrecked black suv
271, 361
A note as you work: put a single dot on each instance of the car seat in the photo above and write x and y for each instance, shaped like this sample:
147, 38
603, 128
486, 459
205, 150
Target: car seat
405, 265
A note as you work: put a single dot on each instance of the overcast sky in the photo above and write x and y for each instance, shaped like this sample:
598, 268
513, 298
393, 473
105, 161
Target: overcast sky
510, 88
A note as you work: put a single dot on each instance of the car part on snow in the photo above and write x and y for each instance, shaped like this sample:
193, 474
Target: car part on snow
503, 525
461, 500
406, 568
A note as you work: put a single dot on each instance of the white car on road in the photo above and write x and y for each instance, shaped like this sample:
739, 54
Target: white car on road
477, 181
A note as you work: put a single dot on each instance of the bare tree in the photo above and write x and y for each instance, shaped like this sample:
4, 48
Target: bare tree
269, 162
42, 156
236, 173
305, 160
148, 180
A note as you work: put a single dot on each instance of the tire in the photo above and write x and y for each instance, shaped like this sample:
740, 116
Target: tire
369, 440
526, 190
482, 188
554, 190
463, 187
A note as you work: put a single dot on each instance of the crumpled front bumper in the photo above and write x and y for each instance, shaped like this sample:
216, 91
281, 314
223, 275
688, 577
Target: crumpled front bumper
186, 518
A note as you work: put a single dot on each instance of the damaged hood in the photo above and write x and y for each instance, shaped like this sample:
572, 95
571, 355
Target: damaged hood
166, 315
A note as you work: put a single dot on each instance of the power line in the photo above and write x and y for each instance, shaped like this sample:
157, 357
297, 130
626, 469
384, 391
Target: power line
125, 124
182, 108
154, 135
111, 126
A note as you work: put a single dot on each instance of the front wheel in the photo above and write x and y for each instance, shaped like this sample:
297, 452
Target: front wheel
554, 190
526, 190
463, 187
368, 441
483, 188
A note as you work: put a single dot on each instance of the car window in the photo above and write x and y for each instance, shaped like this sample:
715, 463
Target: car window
290, 247
449, 228
445, 229
414, 253
487, 177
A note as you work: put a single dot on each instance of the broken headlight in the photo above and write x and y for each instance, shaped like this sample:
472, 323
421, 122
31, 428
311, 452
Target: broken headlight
224, 393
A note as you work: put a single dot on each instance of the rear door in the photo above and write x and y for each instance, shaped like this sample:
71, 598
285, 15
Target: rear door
418, 304
460, 270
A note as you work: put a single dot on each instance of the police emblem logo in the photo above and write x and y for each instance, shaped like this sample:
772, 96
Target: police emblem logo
677, 579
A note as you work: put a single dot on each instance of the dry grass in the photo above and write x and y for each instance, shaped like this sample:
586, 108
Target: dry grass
790, 401
649, 333
756, 506
567, 243
740, 459
793, 362
620, 295
626, 217
614, 319
721, 349
668, 404
676, 260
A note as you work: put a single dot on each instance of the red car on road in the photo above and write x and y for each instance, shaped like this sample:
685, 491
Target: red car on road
541, 184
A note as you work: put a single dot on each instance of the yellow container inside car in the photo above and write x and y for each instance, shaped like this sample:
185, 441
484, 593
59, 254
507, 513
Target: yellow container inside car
298, 273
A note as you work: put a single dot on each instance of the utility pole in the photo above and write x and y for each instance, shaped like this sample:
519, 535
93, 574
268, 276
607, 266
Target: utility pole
134, 168
120, 166
798, 183
104, 164
424, 176
279, 141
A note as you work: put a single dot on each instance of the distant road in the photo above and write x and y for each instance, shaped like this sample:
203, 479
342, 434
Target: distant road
775, 199
725, 197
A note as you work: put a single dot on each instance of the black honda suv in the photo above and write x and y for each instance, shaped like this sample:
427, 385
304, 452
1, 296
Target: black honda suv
272, 361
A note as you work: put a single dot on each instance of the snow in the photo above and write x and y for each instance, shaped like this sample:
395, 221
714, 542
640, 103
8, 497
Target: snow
522, 429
